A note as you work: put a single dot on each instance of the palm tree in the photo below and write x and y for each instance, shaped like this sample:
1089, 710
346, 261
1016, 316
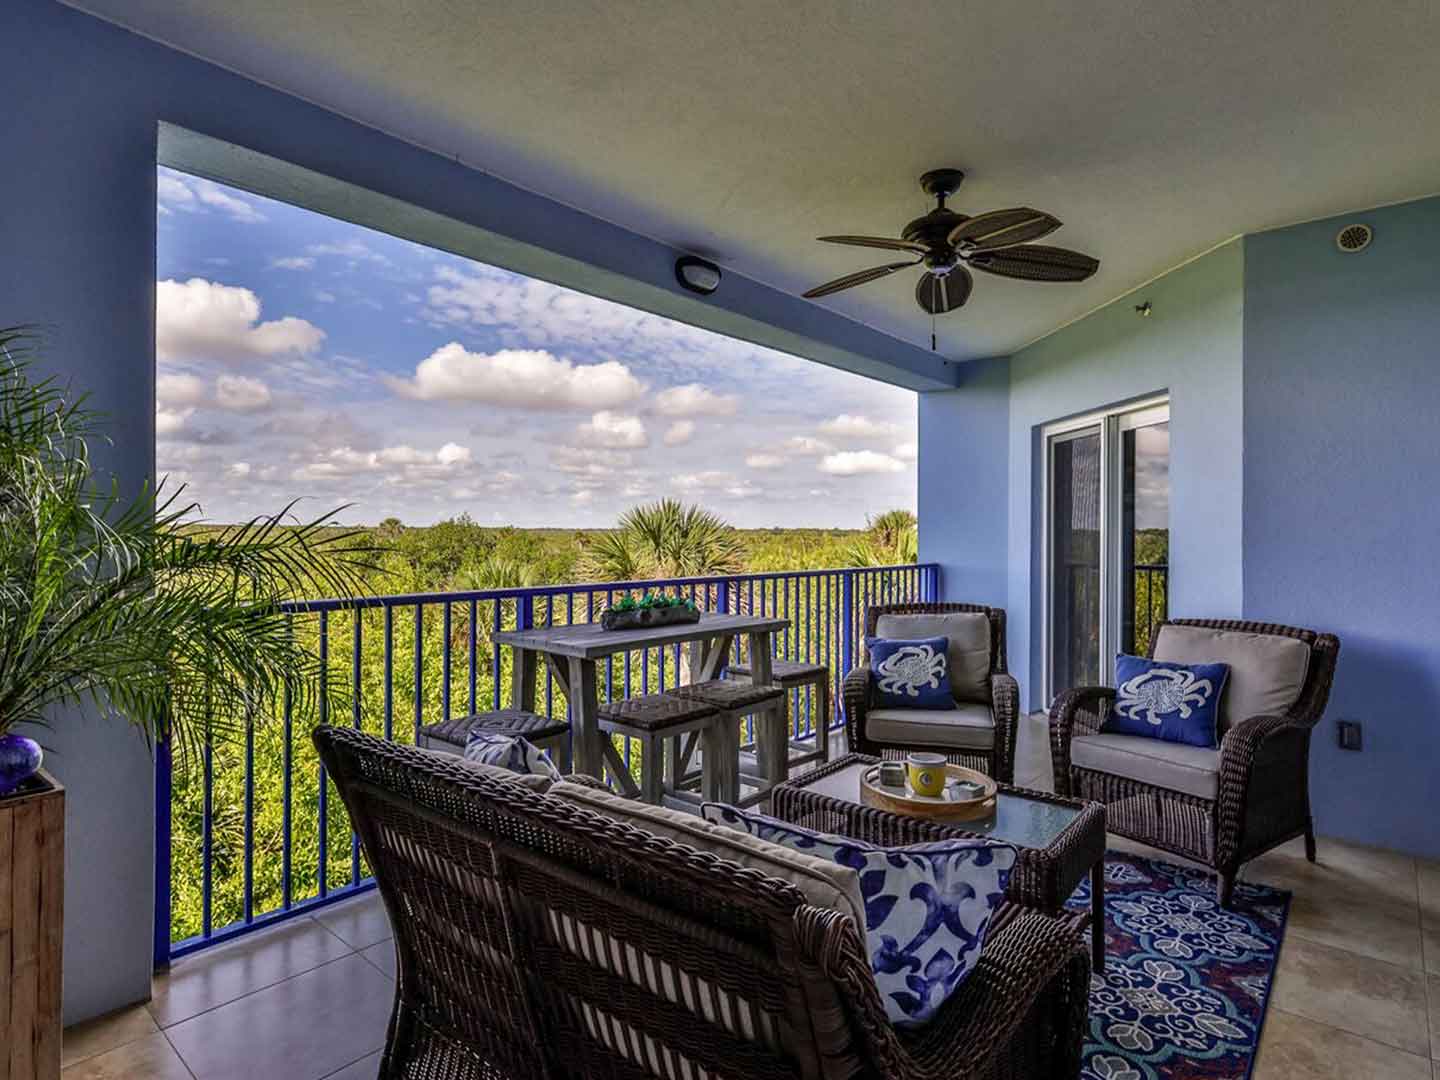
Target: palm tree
665, 539
138, 607
891, 539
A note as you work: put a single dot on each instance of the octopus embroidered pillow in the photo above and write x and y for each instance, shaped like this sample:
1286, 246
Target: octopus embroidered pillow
509, 752
910, 674
927, 906
1177, 703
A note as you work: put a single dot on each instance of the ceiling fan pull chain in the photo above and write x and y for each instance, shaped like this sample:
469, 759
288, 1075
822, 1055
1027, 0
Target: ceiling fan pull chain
932, 332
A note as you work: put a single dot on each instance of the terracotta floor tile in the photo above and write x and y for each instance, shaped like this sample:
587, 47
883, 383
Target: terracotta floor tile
147, 1058
1379, 1001
1381, 877
1293, 1048
104, 1033
227, 972
1384, 932
303, 1028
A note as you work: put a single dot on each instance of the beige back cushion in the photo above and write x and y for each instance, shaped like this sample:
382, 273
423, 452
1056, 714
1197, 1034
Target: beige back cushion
969, 652
825, 884
1267, 672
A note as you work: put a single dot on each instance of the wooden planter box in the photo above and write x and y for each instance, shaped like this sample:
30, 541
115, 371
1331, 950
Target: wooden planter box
610, 619
32, 888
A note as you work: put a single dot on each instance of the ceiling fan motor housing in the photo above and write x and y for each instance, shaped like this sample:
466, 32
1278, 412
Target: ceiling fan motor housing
1354, 237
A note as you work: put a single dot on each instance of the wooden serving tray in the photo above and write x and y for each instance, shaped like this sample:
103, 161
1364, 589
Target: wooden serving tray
944, 807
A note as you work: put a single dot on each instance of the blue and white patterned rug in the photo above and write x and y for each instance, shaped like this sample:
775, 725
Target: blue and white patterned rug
1186, 982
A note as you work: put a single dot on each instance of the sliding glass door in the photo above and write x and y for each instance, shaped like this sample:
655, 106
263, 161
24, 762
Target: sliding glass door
1107, 533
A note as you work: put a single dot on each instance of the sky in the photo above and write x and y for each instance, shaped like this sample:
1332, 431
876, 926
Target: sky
301, 356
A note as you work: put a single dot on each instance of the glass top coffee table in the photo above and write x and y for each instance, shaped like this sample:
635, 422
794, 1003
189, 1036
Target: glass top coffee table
1060, 840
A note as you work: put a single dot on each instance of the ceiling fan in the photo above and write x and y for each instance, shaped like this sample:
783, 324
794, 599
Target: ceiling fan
950, 244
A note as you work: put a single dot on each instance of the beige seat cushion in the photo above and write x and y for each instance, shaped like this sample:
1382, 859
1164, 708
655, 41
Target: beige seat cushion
968, 652
1267, 671
824, 883
1194, 770
965, 727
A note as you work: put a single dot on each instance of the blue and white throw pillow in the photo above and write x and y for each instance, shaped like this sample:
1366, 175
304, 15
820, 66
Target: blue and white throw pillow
911, 674
1177, 703
927, 906
509, 752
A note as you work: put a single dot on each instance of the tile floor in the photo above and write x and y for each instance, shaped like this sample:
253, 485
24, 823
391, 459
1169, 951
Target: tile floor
1356, 996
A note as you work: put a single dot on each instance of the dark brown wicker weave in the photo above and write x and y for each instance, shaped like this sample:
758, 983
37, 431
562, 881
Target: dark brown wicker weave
1264, 795
997, 762
536, 939
1043, 878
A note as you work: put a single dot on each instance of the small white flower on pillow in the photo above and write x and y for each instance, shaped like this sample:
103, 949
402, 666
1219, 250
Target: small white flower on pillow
509, 752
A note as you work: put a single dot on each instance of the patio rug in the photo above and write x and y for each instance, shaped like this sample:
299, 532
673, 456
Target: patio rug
1186, 982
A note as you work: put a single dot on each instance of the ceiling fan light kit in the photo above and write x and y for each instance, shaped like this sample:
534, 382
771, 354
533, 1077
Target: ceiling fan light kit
697, 274
951, 244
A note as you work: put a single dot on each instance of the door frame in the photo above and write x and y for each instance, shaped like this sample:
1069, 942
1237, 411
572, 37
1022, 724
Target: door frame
1111, 423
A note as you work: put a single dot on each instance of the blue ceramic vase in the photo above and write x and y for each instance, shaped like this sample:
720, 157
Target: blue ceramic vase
19, 759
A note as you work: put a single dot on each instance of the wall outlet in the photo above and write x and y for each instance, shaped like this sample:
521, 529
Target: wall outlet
1349, 734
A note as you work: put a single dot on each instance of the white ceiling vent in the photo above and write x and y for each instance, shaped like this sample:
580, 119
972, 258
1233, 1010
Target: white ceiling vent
1353, 238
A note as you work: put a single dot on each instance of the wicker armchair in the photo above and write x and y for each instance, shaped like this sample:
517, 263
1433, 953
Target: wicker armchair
997, 757
536, 938
1259, 775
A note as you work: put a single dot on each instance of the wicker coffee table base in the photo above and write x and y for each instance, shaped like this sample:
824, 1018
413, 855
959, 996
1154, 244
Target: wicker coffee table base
1043, 877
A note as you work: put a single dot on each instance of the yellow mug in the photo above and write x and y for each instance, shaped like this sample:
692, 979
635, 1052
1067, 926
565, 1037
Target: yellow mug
926, 773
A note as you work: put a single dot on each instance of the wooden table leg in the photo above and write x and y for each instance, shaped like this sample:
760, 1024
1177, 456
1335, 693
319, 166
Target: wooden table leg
586, 737
1097, 914
772, 745
522, 679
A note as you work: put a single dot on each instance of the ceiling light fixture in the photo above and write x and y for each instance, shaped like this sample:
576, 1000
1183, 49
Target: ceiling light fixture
697, 275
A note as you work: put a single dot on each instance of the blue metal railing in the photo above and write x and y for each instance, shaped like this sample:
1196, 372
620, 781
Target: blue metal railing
254, 835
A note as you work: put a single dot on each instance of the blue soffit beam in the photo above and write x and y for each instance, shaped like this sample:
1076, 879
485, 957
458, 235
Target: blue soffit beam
484, 218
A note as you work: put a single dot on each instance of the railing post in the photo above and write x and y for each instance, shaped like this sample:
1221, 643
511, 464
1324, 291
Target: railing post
162, 854
722, 598
847, 622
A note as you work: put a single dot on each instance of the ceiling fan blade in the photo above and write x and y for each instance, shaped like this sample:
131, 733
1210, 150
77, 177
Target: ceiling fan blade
876, 242
1002, 228
939, 293
1035, 262
860, 277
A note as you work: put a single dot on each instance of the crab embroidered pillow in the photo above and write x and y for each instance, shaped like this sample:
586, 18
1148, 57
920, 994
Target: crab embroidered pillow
910, 674
1177, 703
927, 906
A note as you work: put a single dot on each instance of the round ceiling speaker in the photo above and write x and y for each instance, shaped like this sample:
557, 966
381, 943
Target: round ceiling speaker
1353, 238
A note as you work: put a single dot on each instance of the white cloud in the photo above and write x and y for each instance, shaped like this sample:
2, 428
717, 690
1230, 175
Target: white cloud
324, 296
805, 446
241, 394
200, 319
238, 469
572, 459
764, 461
714, 482
582, 498
692, 399
616, 431
855, 426
170, 421
293, 262
518, 378
237, 208
393, 465
679, 433
859, 462
353, 250
907, 451
174, 192
179, 391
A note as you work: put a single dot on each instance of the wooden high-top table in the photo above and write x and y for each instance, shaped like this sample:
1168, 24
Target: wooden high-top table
572, 652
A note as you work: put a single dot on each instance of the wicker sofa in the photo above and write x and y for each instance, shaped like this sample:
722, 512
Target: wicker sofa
1218, 807
981, 732
539, 937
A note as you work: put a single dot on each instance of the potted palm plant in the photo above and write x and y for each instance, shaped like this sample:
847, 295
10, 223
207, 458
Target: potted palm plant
137, 609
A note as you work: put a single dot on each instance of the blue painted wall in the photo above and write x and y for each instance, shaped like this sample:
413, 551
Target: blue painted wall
1191, 347
1342, 516
82, 101
963, 482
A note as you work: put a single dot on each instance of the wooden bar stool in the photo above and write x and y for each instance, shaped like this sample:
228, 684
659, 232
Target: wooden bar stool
546, 733
655, 719
796, 675
737, 700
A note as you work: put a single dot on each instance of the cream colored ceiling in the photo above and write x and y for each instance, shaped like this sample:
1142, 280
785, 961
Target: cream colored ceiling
743, 129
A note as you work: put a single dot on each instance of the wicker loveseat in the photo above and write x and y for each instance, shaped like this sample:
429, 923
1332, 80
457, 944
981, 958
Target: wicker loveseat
537, 938
980, 732
1219, 807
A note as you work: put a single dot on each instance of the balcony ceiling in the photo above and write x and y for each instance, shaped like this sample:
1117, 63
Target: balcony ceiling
746, 128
